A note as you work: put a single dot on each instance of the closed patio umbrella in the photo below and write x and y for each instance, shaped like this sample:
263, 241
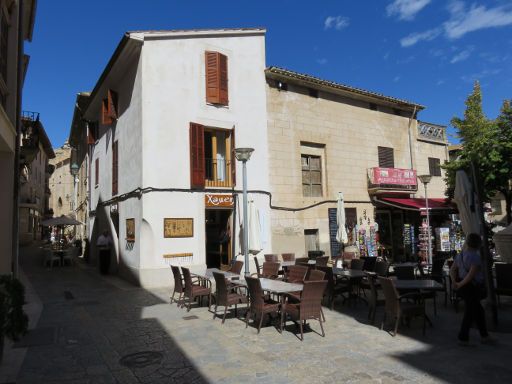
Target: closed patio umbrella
467, 203
341, 233
254, 229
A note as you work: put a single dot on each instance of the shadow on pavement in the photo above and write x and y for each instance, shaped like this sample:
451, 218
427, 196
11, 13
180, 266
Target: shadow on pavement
99, 332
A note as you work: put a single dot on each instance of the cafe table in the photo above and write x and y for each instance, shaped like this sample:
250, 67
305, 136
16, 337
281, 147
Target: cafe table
208, 274
349, 273
419, 284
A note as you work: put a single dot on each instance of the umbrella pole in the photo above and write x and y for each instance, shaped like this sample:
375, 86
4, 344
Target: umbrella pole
486, 256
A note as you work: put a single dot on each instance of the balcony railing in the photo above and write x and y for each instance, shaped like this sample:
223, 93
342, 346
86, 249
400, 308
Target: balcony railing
392, 179
218, 173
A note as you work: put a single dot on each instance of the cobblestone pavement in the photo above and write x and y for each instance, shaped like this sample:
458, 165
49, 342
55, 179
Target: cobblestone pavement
103, 330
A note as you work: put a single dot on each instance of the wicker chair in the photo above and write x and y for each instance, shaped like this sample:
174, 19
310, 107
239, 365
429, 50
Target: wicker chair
322, 261
405, 272
335, 286
357, 264
259, 305
224, 296
288, 256
315, 275
236, 267
374, 301
271, 257
193, 291
503, 280
309, 307
178, 284
296, 273
381, 268
395, 308
270, 270
258, 266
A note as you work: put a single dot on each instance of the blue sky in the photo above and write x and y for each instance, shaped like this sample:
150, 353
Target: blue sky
426, 51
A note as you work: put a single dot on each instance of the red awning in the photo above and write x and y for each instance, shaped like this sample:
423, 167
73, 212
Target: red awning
418, 204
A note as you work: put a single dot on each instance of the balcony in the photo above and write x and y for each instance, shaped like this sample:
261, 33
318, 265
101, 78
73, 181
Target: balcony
218, 173
29, 136
431, 132
392, 180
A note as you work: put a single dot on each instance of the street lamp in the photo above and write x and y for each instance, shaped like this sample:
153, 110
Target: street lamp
243, 155
74, 171
425, 179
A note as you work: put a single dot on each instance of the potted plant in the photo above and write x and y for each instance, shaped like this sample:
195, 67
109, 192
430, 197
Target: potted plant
13, 321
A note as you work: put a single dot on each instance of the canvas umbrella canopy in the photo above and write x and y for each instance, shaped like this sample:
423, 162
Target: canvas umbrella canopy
60, 221
254, 229
341, 233
467, 203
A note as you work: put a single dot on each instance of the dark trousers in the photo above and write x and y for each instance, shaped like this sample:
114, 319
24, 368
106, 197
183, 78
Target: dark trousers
473, 311
104, 261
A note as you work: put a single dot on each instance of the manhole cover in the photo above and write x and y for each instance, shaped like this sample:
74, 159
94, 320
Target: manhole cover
141, 359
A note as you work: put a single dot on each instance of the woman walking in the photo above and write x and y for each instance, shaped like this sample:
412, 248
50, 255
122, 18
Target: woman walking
468, 279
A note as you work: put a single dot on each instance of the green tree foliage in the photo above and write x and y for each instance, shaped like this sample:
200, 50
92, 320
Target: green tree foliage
486, 143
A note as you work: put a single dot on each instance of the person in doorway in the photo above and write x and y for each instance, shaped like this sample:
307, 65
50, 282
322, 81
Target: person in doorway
104, 244
468, 279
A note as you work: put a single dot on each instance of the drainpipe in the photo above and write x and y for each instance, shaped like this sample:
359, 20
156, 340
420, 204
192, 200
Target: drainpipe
16, 188
410, 137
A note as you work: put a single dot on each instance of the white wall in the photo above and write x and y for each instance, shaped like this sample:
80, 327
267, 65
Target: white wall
174, 96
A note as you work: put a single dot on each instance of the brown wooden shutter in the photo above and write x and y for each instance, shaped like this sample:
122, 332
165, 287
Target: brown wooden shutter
112, 104
216, 69
197, 166
212, 77
91, 133
386, 157
97, 172
105, 118
114, 168
434, 166
223, 79
233, 158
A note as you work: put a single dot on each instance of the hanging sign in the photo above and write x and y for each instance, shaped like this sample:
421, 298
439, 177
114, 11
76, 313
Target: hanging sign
212, 200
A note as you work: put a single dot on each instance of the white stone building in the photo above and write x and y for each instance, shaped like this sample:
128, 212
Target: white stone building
162, 120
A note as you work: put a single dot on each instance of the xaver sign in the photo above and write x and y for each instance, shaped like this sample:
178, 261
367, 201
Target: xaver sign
218, 201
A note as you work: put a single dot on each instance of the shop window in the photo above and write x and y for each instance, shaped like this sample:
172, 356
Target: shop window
216, 78
211, 157
311, 240
434, 166
386, 157
311, 175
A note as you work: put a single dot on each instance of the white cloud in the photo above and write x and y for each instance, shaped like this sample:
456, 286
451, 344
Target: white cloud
413, 38
396, 79
321, 61
336, 22
440, 82
463, 21
462, 55
480, 75
406, 9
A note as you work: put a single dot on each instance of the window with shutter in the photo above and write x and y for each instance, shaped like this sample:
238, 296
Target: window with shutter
386, 157
434, 166
197, 162
311, 175
216, 71
109, 108
114, 168
96, 172
92, 132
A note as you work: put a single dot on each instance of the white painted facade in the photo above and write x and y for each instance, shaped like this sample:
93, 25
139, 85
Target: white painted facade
160, 81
